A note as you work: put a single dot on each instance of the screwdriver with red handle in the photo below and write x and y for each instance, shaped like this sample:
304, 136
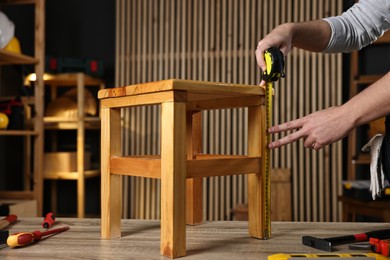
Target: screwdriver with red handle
7, 220
48, 220
25, 238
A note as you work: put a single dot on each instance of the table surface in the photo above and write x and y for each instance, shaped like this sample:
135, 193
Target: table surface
141, 240
192, 86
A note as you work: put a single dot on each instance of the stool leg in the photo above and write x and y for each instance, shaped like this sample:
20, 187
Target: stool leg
256, 147
173, 179
194, 206
111, 185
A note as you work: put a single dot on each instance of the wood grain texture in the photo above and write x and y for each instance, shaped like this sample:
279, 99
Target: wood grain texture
140, 240
111, 185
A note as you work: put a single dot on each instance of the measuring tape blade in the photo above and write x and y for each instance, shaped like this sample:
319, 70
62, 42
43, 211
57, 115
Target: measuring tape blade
274, 60
354, 256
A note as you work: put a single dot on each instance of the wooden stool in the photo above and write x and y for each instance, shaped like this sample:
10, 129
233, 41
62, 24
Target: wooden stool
180, 167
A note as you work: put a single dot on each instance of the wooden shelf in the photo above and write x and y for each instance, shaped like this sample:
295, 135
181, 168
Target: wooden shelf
70, 175
17, 195
57, 123
367, 79
362, 158
11, 58
33, 152
18, 132
53, 125
17, 2
384, 39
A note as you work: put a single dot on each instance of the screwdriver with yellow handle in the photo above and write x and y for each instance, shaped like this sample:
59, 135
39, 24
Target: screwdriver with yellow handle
25, 238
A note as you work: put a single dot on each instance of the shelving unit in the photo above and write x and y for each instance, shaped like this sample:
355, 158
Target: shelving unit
80, 124
356, 157
33, 135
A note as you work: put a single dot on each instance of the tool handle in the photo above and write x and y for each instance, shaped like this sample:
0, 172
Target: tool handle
342, 240
48, 220
7, 220
24, 238
381, 234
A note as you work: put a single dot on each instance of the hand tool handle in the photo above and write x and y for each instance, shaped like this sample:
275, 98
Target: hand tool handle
24, 238
48, 220
7, 220
381, 234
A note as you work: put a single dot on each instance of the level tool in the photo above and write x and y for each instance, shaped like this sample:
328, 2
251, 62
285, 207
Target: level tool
328, 256
274, 61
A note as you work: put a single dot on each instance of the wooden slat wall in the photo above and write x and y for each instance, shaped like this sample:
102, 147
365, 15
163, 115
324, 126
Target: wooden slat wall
215, 41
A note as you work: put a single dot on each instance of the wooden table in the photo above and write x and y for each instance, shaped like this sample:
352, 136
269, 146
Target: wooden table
141, 239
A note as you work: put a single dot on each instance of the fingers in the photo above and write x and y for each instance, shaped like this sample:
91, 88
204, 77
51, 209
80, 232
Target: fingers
309, 143
310, 140
260, 58
291, 125
285, 140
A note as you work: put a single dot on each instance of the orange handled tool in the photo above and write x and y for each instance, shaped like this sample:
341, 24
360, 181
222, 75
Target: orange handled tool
25, 238
7, 220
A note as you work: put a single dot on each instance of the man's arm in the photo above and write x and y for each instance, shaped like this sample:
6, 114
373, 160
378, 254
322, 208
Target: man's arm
311, 35
330, 125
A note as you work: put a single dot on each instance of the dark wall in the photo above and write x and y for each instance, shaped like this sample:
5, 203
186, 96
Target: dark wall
82, 29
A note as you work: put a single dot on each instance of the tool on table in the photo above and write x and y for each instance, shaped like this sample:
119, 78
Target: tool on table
329, 256
25, 238
380, 246
48, 220
7, 220
326, 244
274, 61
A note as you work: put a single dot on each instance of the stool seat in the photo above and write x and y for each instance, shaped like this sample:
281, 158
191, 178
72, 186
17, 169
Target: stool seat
181, 164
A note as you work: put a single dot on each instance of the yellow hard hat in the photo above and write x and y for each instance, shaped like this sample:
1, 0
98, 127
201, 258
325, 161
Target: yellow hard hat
3, 121
13, 46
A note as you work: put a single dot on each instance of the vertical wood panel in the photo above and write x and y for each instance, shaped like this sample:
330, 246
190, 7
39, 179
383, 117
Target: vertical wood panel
215, 41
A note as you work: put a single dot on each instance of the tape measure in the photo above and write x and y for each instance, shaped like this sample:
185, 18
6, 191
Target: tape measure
354, 256
274, 60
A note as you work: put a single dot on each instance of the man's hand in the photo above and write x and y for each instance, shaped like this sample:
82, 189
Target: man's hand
318, 129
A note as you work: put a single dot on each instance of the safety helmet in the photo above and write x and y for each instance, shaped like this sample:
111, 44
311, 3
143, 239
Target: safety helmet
7, 30
13, 46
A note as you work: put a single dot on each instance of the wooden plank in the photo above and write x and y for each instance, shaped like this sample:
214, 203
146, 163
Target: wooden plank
111, 185
194, 186
222, 167
80, 146
147, 99
149, 166
220, 103
173, 175
177, 84
256, 147
11, 58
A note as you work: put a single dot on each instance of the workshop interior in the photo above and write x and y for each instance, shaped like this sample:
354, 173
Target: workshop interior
88, 139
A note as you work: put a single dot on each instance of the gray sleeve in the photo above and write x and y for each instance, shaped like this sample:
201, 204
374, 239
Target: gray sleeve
359, 26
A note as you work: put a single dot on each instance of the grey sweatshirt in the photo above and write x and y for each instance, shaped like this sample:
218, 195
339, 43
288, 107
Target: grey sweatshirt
359, 26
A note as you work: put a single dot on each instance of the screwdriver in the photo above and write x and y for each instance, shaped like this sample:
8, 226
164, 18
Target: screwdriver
7, 220
48, 220
25, 238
